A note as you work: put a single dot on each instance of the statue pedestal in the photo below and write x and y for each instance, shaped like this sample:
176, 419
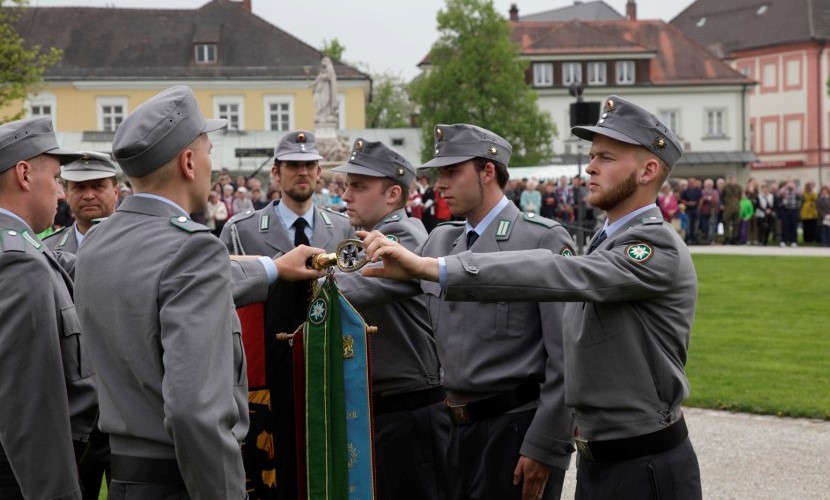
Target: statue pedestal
333, 147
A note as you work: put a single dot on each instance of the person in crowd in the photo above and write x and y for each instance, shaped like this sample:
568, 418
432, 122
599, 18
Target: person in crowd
216, 213
690, 197
241, 202
256, 197
823, 206
531, 199
414, 204
428, 200
790, 214
745, 211
809, 213
731, 198
548, 209
228, 197
629, 318
764, 213
564, 201
708, 211
680, 221
667, 201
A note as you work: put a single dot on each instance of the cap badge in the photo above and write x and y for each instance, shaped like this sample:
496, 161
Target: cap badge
659, 143
609, 105
358, 145
492, 151
439, 134
400, 171
300, 137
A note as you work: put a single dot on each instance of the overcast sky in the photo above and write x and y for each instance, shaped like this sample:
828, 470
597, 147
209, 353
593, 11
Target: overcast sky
388, 35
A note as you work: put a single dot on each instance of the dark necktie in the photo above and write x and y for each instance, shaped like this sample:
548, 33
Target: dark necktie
597, 242
472, 236
299, 232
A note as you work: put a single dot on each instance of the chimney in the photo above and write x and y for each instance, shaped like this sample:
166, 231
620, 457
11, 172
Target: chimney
514, 13
246, 4
631, 10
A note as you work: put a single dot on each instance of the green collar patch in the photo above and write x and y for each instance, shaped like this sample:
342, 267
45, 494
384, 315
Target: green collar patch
639, 252
567, 251
503, 230
326, 219
32, 241
393, 218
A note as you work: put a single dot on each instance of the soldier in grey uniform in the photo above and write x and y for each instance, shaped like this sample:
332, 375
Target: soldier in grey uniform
631, 306
154, 295
411, 425
503, 371
273, 230
47, 393
91, 192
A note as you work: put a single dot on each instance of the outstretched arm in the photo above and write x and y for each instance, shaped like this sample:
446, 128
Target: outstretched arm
398, 262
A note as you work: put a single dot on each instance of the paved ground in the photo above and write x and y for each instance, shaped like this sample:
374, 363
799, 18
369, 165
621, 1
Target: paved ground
755, 457
759, 250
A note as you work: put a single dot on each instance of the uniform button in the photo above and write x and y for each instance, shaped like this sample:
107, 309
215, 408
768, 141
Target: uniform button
472, 269
531, 215
605, 115
249, 212
182, 219
12, 233
601, 121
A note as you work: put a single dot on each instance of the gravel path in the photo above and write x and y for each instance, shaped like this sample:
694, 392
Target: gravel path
754, 457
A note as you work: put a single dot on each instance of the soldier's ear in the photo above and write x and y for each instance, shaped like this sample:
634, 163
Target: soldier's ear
651, 170
185, 164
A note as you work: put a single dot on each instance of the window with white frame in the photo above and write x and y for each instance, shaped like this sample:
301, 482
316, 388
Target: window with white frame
230, 108
206, 53
279, 112
571, 72
111, 112
542, 74
625, 72
596, 73
716, 123
43, 104
669, 117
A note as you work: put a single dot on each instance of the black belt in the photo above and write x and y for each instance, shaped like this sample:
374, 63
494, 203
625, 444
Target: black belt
614, 450
145, 470
407, 401
466, 414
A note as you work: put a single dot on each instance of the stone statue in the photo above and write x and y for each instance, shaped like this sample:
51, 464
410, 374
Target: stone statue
325, 94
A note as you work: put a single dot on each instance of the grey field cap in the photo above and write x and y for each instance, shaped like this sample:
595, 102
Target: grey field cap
90, 166
627, 122
375, 159
298, 145
24, 139
159, 129
461, 142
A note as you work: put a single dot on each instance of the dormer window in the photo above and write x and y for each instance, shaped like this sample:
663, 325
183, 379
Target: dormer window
206, 53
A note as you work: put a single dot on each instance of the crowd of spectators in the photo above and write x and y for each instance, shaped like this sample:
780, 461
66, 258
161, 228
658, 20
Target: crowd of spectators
710, 211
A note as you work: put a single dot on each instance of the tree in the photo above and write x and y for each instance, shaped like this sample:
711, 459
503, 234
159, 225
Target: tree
477, 76
389, 106
334, 49
21, 68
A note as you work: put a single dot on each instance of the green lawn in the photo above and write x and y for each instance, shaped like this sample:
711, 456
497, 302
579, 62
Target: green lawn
761, 337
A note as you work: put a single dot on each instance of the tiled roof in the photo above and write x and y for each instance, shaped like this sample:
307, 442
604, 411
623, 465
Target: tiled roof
678, 60
727, 26
587, 11
158, 44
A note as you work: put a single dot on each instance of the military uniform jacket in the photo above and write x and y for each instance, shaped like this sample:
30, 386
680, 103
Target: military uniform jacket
487, 348
48, 394
154, 296
404, 358
63, 240
627, 330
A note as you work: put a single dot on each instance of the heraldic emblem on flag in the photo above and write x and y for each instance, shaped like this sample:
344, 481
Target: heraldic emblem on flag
333, 400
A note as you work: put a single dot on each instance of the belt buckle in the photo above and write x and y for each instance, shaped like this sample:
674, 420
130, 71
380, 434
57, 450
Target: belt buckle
458, 413
584, 448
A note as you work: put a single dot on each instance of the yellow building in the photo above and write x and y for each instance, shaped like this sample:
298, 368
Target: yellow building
239, 66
